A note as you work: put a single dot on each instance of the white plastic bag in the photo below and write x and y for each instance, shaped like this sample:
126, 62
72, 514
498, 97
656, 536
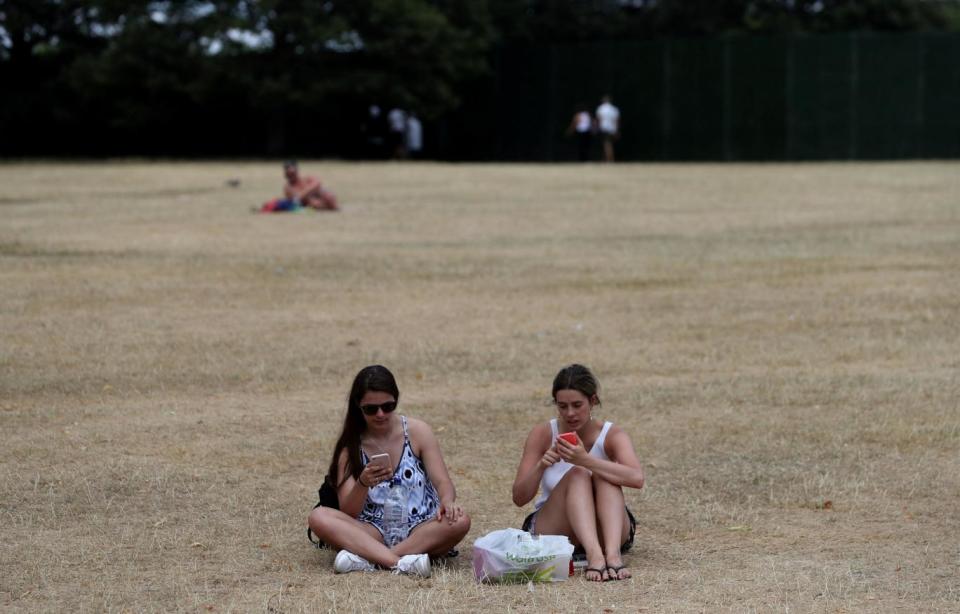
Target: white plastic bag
515, 556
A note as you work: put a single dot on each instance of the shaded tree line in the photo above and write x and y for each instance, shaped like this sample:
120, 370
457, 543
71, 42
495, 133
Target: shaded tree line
294, 77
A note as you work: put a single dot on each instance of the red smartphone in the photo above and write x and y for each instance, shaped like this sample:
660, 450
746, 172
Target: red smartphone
570, 437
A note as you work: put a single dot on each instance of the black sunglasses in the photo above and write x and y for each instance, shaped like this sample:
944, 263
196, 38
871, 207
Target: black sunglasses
371, 410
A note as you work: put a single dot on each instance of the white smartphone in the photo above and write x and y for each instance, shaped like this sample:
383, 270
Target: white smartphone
381, 460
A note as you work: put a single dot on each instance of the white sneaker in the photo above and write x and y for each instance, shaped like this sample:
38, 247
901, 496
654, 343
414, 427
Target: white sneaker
347, 561
414, 565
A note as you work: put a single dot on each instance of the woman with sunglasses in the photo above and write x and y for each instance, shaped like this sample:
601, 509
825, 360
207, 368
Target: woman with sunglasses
434, 521
581, 466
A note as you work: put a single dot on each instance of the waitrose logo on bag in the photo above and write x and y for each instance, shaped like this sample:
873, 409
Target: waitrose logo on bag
520, 558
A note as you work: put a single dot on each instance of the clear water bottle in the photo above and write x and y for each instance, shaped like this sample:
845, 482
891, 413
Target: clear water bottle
395, 514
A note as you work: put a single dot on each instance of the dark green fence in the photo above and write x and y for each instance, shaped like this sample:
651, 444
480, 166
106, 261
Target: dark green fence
804, 97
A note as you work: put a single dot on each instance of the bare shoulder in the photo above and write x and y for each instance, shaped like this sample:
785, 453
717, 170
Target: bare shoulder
422, 438
616, 436
541, 435
418, 429
616, 430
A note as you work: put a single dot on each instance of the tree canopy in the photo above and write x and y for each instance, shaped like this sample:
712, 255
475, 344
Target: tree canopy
251, 76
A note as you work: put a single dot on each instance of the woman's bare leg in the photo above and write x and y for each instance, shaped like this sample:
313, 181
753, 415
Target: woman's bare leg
343, 532
434, 537
613, 522
570, 511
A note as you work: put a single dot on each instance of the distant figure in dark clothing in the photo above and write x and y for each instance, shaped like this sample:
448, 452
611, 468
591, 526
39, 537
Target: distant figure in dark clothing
397, 133
581, 125
375, 132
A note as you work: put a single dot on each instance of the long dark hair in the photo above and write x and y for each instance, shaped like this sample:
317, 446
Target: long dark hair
373, 378
579, 378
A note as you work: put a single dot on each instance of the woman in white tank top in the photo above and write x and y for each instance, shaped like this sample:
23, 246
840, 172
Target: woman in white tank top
581, 484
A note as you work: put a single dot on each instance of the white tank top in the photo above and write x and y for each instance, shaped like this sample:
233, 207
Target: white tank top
556, 471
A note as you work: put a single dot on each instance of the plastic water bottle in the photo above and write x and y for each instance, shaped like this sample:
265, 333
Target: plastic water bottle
395, 514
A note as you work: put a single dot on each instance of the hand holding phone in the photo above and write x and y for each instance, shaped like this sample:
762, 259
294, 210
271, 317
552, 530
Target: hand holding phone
566, 453
377, 469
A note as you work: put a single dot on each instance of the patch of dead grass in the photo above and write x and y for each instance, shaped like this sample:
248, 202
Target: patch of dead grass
779, 340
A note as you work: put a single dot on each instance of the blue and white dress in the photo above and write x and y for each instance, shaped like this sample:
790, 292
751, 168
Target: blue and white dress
422, 498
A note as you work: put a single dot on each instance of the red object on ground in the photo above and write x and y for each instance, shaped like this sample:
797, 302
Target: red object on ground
570, 437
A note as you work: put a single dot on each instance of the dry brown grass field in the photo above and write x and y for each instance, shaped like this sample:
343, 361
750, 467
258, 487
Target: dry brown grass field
782, 343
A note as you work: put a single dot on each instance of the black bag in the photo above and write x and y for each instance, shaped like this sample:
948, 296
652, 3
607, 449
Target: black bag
327, 498
328, 495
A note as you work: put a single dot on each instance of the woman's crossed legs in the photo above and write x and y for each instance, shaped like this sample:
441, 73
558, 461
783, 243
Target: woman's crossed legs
339, 530
590, 511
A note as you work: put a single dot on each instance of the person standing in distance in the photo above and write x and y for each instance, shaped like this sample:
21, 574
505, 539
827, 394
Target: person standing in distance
581, 125
396, 137
608, 122
414, 135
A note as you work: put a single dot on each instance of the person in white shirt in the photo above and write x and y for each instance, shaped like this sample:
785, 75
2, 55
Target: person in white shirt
414, 135
608, 122
581, 466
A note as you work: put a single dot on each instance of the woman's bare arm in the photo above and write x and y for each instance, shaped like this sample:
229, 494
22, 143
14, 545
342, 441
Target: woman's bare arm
538, 454
623, 468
